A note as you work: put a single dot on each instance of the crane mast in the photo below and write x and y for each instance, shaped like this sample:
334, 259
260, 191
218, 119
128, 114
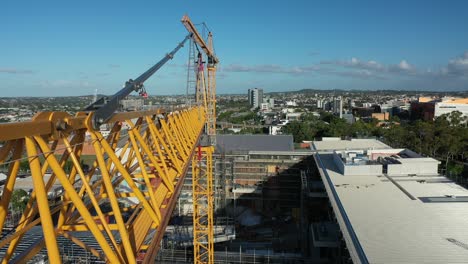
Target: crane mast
211, 94
202, 164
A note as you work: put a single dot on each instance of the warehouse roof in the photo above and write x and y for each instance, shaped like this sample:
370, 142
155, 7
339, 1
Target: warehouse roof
404, 219
245, 143
339, 144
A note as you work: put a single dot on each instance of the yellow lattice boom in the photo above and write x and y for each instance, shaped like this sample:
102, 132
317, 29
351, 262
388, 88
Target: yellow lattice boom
122, 202
202, 188
206, 94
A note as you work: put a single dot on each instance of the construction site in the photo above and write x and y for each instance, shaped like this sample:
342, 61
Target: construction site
115, 184
269, 206
234, 132
160, 184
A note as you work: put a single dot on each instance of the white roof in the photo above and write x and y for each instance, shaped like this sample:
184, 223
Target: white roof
382, 223
417, 160
338, 144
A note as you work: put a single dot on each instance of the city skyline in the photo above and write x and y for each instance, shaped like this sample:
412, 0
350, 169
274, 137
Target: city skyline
66, 49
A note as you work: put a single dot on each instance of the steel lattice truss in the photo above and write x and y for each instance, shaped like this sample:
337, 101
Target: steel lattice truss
202, 192
142, 162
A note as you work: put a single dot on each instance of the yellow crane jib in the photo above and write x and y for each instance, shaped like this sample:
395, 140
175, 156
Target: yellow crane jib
208, 49
205, 90
117, 208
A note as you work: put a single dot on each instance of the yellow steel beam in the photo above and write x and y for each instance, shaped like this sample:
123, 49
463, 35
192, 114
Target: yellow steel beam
10, 180
42, 202
211, 97
92, 198
12, 131
68, 187
135, 136
198, 38
82, 227
155, 156
197, 122
112, 197
202, 193
134, 133
59, 121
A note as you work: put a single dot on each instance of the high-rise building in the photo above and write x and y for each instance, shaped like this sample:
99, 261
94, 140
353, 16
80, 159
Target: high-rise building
338, 106
319, 103
255, 97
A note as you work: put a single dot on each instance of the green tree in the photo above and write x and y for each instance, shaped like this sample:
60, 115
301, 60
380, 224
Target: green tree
250, 130
454, 169
24, 165
309, 117
19, 199
361, 129
225, 116
337, 127
424, 140
396, 136
450, 136
67, 167
299, 130
456, 118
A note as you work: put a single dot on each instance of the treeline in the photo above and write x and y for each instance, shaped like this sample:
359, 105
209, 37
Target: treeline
445, 138
241, 117
328, 125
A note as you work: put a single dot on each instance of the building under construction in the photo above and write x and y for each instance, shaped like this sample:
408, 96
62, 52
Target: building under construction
269, 203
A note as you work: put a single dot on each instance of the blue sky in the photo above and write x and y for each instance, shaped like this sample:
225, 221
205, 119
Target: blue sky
63, 48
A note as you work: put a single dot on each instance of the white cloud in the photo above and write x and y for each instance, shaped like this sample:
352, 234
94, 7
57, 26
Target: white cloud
373, 66
357, 63
458, 66
308, 69
15, 71
358, 74
362, 69
65, 84
270, 68
404, 65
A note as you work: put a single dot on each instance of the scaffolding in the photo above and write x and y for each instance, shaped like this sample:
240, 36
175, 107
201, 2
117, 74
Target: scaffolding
288, 177
183, 256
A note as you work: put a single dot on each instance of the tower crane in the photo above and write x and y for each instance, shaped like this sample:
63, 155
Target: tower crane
118, 209
209, 95
202, 164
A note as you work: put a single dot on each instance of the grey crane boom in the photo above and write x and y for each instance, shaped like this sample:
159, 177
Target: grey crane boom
105, 107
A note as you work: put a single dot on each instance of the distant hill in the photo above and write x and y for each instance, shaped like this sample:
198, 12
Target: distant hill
339, 91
